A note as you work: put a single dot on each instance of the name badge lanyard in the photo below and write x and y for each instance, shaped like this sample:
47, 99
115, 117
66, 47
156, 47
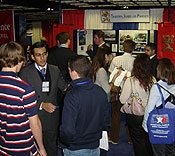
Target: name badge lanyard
82, 83
43, 72
45, 84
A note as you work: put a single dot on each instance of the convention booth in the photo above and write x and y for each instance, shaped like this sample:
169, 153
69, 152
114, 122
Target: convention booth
141, 25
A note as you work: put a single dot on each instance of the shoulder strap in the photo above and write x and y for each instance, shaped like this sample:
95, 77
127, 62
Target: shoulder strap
131, 85
163, 100
166, 90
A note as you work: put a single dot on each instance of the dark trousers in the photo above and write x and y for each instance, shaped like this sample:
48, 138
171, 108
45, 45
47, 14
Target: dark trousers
163, 150
103, 152
115, 122
116, 116
50, 143
139, 137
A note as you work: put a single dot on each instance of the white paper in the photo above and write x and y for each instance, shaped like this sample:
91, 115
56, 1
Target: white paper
104, 144
118, 81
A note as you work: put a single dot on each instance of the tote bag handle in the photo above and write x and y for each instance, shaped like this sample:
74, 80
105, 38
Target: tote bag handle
163, 100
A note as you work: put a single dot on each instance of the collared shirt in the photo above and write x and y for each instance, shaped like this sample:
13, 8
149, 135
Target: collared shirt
64, 45
101, 44
39, 67
152, 56
126, 61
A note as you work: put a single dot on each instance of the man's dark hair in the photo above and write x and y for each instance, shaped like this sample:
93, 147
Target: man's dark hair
100, 34
152, 46
57, 37
38, 45
81, 64
63, 37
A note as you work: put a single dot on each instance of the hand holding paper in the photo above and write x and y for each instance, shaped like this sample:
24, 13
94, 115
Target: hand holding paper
117, 76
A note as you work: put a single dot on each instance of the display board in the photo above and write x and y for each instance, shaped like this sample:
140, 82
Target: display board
113, 38
84, 38
140, 37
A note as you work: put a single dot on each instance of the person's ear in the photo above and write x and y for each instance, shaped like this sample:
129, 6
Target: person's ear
33, 58
154, 51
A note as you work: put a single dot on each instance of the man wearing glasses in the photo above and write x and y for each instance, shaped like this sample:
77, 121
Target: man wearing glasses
45, 79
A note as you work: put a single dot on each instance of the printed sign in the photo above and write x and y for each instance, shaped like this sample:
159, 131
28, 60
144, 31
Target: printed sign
125, 16
6, 26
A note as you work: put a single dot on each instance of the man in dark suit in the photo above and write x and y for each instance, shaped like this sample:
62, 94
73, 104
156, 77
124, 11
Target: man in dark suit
61, 54
56, 46
99, 42
151, 50
45, 79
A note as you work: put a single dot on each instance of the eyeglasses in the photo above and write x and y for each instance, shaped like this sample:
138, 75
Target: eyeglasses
41, 55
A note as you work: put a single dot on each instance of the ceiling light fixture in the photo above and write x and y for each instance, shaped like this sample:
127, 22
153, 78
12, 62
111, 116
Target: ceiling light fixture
125, 7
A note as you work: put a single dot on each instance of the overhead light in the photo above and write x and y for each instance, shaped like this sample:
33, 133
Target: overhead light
49, 9
125, 7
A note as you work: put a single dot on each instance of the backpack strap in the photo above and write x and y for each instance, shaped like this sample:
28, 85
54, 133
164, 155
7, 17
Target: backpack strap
163, 100
166, 90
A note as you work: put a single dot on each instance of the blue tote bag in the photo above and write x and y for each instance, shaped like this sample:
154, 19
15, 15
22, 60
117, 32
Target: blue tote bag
161, 123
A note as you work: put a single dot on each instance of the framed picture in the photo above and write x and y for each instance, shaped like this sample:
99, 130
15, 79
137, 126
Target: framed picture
110, 36
114, 47
82, 37
140, 37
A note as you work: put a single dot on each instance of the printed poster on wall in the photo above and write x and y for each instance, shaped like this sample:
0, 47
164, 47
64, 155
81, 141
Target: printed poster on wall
140, 37
166, 40
6, 26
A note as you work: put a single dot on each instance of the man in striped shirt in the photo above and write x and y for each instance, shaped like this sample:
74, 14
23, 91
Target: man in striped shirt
19, 122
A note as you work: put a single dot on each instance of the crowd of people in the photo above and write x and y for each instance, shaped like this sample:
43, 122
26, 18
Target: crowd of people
62, 99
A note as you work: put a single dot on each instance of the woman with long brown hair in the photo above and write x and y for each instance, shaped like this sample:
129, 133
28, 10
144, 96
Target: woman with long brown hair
140, 82
99, 72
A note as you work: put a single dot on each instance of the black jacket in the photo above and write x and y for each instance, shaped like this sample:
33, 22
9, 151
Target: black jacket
85, 115
59, 56
153, 65
93, 52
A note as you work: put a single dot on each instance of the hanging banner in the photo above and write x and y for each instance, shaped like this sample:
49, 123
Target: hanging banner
6, 26
124, 16
166, 40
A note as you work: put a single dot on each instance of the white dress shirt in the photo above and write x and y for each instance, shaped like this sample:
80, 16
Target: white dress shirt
125, 61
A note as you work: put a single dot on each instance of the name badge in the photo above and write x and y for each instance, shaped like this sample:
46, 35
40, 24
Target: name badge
45, 86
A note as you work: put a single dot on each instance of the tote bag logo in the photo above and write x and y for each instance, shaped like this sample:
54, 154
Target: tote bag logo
160, 119
162, 123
